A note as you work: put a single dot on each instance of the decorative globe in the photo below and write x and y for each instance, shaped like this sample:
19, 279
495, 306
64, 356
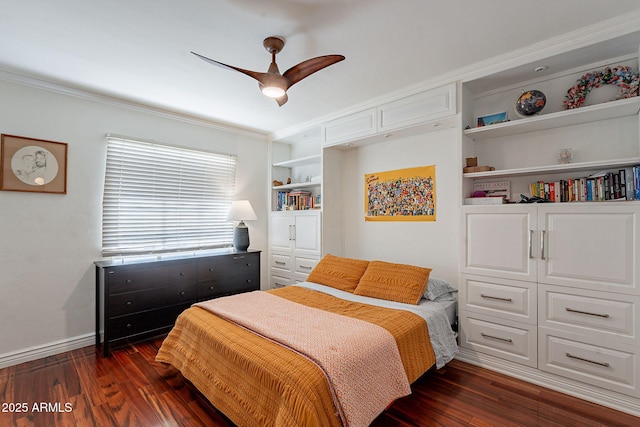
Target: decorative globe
530, 102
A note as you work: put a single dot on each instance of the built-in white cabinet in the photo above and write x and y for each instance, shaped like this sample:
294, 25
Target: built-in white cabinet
295, 245
416, 112
555, 286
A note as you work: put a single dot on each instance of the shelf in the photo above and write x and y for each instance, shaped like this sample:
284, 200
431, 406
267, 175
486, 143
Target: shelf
571, 167
592, 113
302, 161
297, 185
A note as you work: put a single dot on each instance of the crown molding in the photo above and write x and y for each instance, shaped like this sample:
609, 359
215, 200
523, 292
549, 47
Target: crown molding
65, 89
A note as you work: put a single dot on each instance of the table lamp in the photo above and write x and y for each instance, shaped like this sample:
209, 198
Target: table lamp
242, 211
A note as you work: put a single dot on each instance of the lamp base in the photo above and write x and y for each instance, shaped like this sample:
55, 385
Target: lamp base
241, 237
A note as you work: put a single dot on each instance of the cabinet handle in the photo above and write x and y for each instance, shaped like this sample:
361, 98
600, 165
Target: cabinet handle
278, 284
182, 273
128, 281
128, 325
238, 257
248, 280
495, 338
606, 316
128, 303
211, 288
571, 356
211, 269
530, 244
280, 263
182, 293
306, 267
497, 298
542, 233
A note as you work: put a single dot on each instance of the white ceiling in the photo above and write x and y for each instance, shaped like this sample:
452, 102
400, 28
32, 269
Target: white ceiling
139, 50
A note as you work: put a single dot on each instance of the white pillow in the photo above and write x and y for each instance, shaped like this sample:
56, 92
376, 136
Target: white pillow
439, 290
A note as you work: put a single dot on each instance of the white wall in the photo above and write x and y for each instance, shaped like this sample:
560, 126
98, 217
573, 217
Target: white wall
428, 244
48, 242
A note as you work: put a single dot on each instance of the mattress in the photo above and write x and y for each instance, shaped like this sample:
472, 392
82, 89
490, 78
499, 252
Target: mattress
450, 307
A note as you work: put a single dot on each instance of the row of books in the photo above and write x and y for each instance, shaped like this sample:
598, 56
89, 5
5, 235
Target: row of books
621, 185
296, 200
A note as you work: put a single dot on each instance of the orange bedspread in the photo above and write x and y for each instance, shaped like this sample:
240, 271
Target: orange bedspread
257, 382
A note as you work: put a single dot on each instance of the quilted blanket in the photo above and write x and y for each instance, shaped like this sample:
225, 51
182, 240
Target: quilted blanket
360, 359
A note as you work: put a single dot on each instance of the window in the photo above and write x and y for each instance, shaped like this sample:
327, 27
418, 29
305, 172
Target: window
161, 198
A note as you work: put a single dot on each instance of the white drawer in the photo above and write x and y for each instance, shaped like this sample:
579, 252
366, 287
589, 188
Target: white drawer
508, 299
603, 366
508, 340
305, 265
591, 313
282, 262
279, 281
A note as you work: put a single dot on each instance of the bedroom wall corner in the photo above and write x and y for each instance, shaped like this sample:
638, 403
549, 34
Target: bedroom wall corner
50, 241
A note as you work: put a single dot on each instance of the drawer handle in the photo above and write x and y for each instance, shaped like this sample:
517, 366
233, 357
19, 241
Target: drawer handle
211, 288
605, 364
128, 325
278, 284
128, 304
128, 281
497, 298
496, 338
211, 269
281, 263
182, 293
239, 257
182, 273
306, 267
606, 316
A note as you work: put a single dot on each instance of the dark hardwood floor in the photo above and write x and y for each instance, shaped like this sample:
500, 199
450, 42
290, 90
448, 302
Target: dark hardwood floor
81, 388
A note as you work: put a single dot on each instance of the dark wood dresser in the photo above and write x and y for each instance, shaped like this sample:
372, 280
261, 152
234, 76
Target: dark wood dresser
141, 299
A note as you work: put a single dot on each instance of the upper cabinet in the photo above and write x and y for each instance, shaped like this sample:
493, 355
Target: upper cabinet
555, 143
420, 112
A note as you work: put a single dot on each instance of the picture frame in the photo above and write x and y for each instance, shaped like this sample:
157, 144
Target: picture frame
33, 165
492, 119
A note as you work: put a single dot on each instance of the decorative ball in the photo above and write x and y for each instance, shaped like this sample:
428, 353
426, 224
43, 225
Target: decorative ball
530, 102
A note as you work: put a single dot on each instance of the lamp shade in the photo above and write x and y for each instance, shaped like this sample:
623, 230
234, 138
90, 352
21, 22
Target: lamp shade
241, 210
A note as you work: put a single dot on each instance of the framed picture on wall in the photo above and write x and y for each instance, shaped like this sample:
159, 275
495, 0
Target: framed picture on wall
33, 165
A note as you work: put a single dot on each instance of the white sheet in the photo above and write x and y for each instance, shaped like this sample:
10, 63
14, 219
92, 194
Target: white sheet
443, 339
450, 307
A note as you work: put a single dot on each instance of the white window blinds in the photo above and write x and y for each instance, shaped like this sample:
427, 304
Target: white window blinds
161, 198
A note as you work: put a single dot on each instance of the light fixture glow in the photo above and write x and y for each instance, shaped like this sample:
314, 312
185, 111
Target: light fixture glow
273, 91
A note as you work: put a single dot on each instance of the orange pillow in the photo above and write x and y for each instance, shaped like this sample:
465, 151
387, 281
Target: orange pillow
338, 272
394, 282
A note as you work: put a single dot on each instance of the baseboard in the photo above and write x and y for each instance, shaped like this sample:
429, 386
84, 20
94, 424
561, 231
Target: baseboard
45, 350
568, 386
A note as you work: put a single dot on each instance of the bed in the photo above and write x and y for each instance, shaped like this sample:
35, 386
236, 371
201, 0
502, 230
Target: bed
327, 352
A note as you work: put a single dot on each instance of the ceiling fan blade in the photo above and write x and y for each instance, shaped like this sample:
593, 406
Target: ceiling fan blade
254, 74
310, 66
282, 100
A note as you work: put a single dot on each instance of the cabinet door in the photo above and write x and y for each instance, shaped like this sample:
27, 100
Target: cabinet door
590, 246
307, 232
281, 231
349, 128
419, 108
499, 242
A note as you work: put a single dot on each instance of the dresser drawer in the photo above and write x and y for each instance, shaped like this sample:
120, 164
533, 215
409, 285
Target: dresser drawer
611, 367
216, 268
232, 284
128, 279
504, 298
607, 315
280, 281
508, 340
133, 302
305, 265
282, 262
144, 322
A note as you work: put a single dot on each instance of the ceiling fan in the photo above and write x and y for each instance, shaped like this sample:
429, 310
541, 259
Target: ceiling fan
272, 83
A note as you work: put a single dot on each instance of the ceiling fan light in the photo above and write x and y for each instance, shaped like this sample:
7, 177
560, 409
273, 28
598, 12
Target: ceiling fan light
273, 91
